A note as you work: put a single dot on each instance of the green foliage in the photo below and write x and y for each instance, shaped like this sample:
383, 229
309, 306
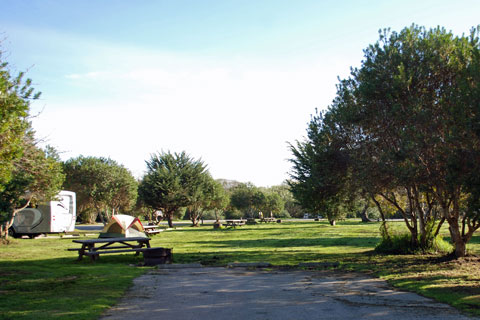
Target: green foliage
41, 279
248, 199
15, 96
251, 200
319, 177
218, 199
175, 181
396, 244
36, 176
100, 184
233, 213
27, 173
400, 243
403, 127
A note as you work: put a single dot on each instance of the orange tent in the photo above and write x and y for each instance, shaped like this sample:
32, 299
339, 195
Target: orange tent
123, 226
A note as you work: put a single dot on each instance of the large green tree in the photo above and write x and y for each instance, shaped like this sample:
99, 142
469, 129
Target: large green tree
408, 119
200, 197
101, 185
15, 96
27, 172
320, 171
219, 199
172, 181
247, 198
415, 98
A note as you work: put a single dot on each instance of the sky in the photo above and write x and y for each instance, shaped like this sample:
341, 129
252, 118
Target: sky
229, 82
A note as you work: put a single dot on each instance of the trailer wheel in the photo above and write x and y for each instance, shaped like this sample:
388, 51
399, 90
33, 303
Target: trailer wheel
12, 233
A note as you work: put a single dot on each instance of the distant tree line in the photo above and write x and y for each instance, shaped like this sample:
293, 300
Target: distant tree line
403, 135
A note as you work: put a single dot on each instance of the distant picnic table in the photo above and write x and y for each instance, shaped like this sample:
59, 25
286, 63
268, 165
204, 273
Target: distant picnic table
110, 245
235, 222
268, 220
151, 229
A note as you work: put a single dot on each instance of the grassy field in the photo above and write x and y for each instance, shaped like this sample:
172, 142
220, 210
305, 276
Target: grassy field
40, 279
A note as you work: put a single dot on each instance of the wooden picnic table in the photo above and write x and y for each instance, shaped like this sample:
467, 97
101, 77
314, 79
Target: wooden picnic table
110, 245
151, 229
270, 219
235, 222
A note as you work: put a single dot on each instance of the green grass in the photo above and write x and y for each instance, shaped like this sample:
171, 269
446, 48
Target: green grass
40, 279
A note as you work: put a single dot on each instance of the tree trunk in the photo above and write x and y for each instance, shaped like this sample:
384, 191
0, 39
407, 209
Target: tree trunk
332, 222
460, 245
194, 220
101, 218
9, 223
364, 214
170, 220
457, 239
379, 207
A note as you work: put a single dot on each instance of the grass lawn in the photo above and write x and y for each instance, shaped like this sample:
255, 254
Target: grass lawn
39, 279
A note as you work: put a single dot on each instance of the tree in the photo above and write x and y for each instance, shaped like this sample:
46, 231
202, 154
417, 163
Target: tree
200, 195
272, 204
36, 176
219, 199
415, 98
171, 182
408, 121
123, 189
100, 184
320, 170
27, 173
15, 97
247, 198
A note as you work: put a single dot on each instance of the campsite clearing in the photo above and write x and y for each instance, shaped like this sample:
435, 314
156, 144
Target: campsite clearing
40, 279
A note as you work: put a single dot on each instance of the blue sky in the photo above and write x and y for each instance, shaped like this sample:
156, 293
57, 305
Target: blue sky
230, 82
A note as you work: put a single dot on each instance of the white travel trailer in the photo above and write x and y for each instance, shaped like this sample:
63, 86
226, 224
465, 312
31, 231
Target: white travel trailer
49, 217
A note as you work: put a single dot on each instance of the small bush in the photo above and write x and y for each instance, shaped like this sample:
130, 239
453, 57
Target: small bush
284, 214
442, 246
396, 244
402, 244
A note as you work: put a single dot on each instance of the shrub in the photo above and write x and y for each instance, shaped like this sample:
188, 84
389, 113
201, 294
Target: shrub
395, 244
401, 243
284, 215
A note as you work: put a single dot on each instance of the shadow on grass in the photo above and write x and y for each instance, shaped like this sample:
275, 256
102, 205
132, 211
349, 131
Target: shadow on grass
62, 288
260, 227
295, 242
219, 258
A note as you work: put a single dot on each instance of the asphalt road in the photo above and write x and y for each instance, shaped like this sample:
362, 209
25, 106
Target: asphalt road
240, 293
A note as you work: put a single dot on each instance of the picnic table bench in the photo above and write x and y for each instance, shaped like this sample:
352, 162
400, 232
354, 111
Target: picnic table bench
110, 245
235, 222
266, 220
151, 229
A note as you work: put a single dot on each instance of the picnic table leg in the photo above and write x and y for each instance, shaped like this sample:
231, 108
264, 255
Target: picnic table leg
147, 244
91, 248
81, 253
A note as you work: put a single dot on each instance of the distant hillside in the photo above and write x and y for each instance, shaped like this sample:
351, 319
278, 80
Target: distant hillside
229, 184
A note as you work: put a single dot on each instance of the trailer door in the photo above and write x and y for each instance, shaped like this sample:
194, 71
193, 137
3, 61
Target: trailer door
62, 214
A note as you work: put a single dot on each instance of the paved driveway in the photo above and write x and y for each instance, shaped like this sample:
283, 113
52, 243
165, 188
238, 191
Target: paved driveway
239, 293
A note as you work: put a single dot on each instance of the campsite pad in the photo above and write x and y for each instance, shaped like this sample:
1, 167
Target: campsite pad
241, 293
